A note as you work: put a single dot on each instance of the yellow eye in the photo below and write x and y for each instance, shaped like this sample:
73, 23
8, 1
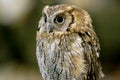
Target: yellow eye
59, 19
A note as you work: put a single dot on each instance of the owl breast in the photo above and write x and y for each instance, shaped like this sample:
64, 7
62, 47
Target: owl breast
60, 56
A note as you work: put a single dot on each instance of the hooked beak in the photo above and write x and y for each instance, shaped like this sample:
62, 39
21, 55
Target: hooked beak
49, 28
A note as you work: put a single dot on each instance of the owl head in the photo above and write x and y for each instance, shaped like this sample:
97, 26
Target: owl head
63, 18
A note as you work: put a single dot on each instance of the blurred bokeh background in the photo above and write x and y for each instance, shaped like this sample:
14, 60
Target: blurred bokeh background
18, 24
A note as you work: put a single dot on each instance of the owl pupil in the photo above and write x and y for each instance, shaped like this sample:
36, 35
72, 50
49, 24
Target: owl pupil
45, 19
59, 19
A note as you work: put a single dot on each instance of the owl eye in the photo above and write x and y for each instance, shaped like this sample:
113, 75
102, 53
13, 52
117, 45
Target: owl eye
59, 19
45, 18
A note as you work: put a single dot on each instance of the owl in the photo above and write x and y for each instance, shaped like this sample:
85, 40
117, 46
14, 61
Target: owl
67, 47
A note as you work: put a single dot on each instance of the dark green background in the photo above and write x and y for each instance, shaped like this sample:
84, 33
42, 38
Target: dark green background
17, 41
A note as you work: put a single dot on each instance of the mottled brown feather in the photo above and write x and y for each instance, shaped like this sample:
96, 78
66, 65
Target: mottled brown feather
69, 51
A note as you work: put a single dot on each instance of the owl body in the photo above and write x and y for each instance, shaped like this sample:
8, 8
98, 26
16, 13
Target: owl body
61, 55
67, 47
